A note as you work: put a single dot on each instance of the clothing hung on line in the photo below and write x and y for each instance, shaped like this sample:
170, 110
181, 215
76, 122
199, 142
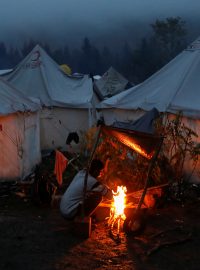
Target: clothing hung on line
60, 165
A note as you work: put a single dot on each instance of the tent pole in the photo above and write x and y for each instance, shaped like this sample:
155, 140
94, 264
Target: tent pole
148, 176
88, 168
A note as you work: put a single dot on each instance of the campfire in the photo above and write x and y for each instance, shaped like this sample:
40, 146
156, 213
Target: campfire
117, 216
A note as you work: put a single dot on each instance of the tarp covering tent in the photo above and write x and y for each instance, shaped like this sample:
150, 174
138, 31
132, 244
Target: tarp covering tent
19, 133
68, 102
174, 88
143, 124
110, 84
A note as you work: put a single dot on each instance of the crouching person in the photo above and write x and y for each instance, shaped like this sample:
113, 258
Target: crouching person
72, 204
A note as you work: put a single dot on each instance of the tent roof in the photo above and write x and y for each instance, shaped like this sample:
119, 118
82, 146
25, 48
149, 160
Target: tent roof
173, 88
39, 76
13, 100
5, 71
110, 84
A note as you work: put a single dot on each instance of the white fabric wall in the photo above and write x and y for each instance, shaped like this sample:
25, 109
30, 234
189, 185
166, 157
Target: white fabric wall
10, 137
56, 123
19, 145
31, 145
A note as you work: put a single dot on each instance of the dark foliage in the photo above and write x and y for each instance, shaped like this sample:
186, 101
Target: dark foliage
136, 64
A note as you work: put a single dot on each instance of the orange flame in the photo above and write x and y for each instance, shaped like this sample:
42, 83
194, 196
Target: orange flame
119, 202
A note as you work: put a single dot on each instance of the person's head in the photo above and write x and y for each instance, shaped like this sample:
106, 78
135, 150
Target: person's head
96, 167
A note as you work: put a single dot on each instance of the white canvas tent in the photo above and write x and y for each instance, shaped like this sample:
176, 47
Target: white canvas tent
68, 102
174, 88
110, 84
19, 134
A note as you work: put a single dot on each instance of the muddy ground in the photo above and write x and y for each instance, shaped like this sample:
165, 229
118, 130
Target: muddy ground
34, 237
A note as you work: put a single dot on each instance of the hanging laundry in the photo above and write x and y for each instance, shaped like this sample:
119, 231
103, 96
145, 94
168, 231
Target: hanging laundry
60, 165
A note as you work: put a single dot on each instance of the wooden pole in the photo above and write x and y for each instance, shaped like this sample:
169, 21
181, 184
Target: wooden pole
88, 168
148, 175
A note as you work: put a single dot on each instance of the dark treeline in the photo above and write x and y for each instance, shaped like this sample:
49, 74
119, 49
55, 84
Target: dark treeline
167, 40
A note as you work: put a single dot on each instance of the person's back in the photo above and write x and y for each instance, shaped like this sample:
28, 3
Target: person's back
74, 200
73, 196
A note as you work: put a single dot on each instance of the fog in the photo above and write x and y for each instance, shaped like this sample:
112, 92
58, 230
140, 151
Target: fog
103, 22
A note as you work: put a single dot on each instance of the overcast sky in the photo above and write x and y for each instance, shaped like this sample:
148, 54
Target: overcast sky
71, 20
